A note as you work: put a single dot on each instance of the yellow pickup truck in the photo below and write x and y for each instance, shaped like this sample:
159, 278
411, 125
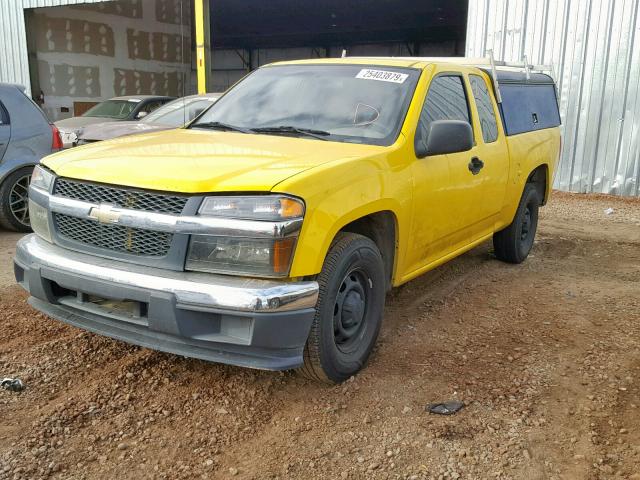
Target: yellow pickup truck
267, 232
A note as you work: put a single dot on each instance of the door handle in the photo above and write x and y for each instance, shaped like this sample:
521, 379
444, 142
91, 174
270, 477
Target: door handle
475, 165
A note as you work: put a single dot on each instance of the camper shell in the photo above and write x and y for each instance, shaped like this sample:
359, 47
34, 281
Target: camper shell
529, 101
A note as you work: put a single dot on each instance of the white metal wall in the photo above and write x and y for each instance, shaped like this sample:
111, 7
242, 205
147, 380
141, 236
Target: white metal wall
594, 47
14, 60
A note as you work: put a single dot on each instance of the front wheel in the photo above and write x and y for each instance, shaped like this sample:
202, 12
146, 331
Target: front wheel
14, 200
514, 243
348, 312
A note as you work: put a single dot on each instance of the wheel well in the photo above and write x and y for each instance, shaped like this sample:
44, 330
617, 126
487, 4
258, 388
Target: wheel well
5, 175
539, 178
380, 227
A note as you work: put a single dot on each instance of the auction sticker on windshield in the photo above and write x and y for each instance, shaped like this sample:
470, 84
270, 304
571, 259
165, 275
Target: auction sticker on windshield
382, 75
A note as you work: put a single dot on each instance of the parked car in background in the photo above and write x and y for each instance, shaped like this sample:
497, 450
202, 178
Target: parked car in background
26, 135
118, 109
171, 115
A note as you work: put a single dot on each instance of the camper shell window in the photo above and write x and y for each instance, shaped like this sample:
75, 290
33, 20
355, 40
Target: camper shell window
527, 104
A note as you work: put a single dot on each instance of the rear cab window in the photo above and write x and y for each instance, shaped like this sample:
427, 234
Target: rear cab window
484, 105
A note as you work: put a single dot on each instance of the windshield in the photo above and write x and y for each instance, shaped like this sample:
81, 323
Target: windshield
348, 103
112, 109
179, 112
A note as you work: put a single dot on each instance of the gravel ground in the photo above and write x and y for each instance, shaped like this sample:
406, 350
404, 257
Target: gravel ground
546, 356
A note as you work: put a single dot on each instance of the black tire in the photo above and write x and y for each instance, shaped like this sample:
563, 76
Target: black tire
14, 196
349, 310
513, 244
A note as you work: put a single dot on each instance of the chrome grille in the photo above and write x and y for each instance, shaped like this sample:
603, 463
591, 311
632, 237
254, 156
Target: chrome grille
114, 237
120, 197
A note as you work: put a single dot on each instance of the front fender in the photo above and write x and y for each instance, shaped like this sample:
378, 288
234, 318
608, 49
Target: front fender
337, 194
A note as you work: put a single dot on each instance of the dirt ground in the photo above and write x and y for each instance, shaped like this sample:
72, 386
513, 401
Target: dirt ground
7, 250
546, 356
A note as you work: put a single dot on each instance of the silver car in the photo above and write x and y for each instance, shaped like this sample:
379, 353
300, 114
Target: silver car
118, 109
26, 135
171, 115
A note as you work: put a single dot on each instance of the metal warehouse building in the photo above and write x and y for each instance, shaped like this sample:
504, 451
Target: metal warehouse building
146, 45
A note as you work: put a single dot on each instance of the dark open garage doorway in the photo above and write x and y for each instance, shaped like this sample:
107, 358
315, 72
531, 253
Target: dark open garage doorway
250, 33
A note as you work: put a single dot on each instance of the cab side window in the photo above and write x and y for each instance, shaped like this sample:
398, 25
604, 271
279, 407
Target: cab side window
484, 104
446, 100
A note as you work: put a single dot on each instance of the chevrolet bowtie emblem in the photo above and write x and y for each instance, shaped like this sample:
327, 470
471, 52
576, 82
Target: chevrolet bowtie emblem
105, 214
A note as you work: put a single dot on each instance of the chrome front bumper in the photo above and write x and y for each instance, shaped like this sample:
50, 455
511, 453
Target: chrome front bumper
241, 321
197, 290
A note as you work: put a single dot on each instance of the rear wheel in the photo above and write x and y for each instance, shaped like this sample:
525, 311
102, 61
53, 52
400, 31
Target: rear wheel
14, 201
348, 312
514, 243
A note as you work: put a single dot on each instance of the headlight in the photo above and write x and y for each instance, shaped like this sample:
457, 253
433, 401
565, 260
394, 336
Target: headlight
247, 254
39, 218
41, 178
265, 207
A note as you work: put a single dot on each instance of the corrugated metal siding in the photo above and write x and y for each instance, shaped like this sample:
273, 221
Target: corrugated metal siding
14, 60
594, 47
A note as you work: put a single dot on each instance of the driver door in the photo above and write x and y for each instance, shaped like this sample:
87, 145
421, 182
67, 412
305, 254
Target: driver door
447, 194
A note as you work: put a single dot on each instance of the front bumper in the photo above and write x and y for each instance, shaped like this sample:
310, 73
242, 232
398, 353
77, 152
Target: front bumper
239, 321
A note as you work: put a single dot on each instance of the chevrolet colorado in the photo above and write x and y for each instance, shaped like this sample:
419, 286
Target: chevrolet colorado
267, 232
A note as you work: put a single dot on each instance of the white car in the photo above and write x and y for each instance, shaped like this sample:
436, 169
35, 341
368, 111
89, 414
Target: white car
171, 115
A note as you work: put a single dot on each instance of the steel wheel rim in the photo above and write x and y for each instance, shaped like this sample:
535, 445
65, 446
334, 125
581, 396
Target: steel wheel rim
526, 224
350, 310
19, 200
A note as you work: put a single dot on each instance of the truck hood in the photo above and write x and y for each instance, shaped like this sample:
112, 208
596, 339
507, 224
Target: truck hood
109, 130
200, 161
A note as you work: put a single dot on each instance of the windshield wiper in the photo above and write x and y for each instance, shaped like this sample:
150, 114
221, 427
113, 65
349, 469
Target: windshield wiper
221, 126
310, 132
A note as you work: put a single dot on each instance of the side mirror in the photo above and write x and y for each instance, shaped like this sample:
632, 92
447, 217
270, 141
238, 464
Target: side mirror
141, 114
444, 136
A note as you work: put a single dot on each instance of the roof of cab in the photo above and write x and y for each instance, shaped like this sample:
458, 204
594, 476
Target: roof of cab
383, 61
505, 74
